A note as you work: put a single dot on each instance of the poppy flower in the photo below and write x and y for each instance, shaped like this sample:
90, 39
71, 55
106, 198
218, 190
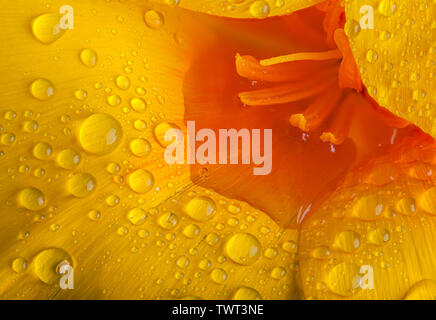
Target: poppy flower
85, 187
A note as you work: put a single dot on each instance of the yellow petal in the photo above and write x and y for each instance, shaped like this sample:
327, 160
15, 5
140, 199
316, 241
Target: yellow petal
373, 241
83, 181
244, 8
395, 51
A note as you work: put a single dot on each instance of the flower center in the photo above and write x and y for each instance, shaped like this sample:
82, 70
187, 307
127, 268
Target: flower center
330, 78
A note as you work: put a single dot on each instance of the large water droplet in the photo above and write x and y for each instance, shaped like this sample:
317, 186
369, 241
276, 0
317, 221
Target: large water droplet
82, 185
43, 151
122, 82
31, 198
140, 147
218, 275
347, 241
137, 216
344, 278
42, 89
160, 130
100, 134
243, 248
46, 28
47, 264
141, 181
88, 57
246, 293
19, 265
154, 19
260, 9
201, 208
68, 159
138, 104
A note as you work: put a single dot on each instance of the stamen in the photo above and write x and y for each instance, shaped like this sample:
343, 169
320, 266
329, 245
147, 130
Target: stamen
288, 92
250, 68
314, 56
341, 122
315, 115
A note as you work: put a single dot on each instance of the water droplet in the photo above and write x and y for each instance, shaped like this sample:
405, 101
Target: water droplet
378, 236
81, 94
138, 104
201, 208
114, 100
30, 126
141, 181
42, 150
352, 28
368, 207
122, 231
19, 265
278, 273
100, 134
387, 7
246, 293
137, 216
140, 147
212, 239
46, 28
406, 206
160, 130
182, 262
48, 262
168, 220
260, 9
234, 208
94, 215
140, 125
10, 115
154, 19
290, 246
88, 57
422, 290
31, 198
243, 248
270, 253
218, 275
426, 201
112, 200
68, 159
343, 278
204, 264
7, 138
322, 252
82, 185
191, 231
371, 56
347, 241
42, 89
122, 82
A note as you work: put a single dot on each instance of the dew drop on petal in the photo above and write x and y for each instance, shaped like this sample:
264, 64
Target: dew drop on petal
88, 57
243, 248
201, 208
31, 198
68, 159
46, 28
100, 133
153, 19
140, 147
141, 181
47, 264
42, 89
82, 185
137, 216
